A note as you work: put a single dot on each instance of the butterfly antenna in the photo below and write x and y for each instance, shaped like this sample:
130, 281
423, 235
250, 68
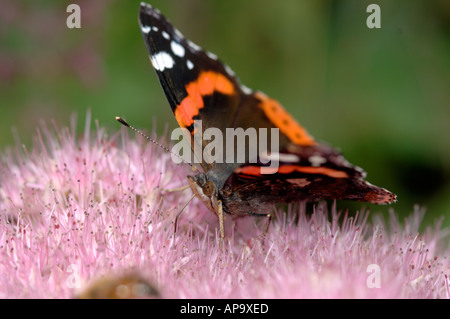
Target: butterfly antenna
125, 123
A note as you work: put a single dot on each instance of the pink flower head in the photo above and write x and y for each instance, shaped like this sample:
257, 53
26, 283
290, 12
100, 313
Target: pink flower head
74, 210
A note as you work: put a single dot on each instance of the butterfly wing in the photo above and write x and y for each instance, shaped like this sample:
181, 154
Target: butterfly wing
295, 186
311, 173
306, 170
200, 87
197, 85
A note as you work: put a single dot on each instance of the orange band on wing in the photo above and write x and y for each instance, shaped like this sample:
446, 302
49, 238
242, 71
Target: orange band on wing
284, 121
287, 169
207, 83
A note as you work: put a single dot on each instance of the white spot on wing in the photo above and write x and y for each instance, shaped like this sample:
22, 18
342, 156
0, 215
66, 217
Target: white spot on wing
146, 28
281, 157
162, 60
246, 89
193, 46
154, 12
144, 4
189, 64
344, 161
155, 29
290, 158
361, 171
229, 70
177, 49
316, 160
211, 55
165, 35
178, 34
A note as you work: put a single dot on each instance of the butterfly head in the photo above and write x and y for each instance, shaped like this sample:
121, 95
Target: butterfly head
205, 190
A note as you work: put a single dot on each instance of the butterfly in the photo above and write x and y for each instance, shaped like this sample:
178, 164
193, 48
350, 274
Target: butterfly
201, 88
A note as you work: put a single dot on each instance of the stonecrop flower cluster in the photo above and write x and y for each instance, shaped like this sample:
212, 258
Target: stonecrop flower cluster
85, 216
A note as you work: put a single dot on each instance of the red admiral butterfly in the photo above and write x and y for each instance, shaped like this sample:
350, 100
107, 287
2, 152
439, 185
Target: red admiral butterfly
200, 87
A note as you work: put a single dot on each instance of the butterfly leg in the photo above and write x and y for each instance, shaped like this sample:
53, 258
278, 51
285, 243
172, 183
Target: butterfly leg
262, 237
179, 213
221, 228
269, 220
266, 229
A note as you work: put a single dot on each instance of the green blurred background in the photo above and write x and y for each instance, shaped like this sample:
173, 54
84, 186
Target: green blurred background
381, 95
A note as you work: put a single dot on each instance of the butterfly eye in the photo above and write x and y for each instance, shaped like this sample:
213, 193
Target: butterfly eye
208, 188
